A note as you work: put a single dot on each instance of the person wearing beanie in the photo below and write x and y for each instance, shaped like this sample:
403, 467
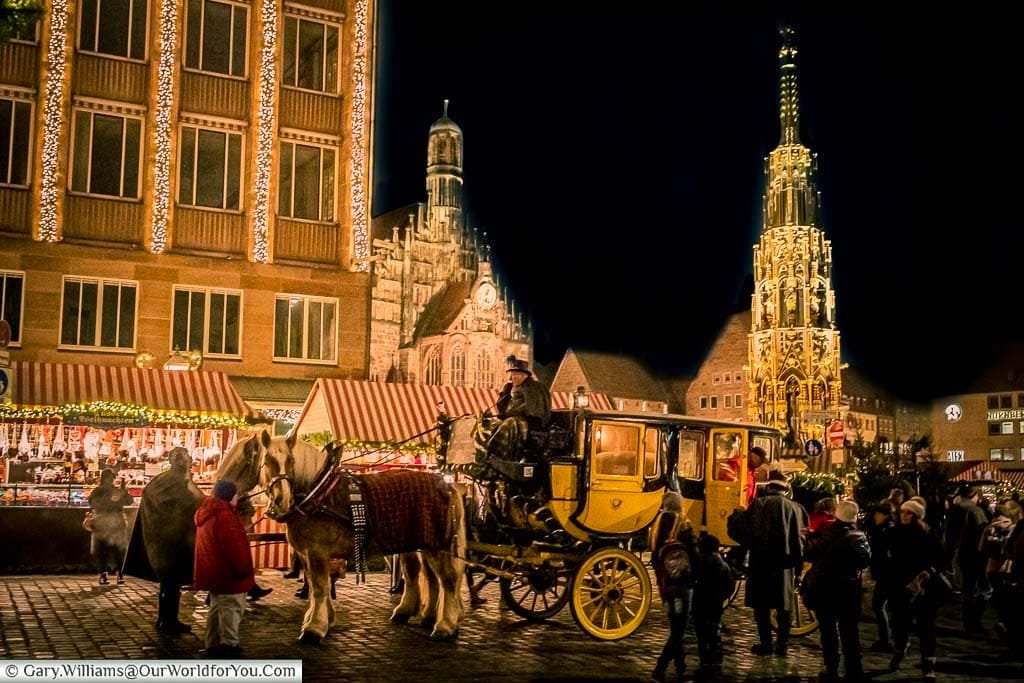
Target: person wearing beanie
223, 566
916, 587
839, 553
166, 515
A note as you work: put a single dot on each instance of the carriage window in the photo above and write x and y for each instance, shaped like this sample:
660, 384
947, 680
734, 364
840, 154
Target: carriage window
727, 455
616, 450
652, 437
766, 443
691, 460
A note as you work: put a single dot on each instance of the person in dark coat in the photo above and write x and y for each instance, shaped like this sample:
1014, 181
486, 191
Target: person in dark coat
878, 538
675, 581
223, 566
970, 561
109, 526
166, 513
775, 526
839, 553
524, 405
916, 559
715, 584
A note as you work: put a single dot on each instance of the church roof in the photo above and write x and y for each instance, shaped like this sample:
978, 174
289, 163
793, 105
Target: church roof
382, 225
445, 123
442, 309
612, 374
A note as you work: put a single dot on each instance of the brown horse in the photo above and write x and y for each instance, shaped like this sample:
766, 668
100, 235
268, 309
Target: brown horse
288, 470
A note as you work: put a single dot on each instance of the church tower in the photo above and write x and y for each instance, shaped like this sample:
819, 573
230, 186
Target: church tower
794, 344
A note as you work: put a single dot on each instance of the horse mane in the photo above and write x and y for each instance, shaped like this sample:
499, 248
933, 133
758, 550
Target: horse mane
302, 463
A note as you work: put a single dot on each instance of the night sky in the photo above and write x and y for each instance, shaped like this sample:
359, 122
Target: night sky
614, 158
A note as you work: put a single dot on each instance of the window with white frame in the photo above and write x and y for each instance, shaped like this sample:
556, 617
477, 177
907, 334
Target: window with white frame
739, 376
12, 292
215, 37
484, 369
207, 320
98, 313
15, 141
105, 154
458, 366
306, 182
113, 27
210, 168
432, 368
1002, 454
305, 328
310, 57
714, 403
1007, 428
716, 378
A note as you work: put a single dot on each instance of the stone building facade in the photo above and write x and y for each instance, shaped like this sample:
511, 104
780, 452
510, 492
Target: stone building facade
193, 176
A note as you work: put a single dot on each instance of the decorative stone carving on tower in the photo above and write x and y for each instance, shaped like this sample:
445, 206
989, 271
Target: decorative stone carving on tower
439, 315
794, 343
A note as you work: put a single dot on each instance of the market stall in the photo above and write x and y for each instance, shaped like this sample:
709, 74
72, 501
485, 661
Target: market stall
67, 422
379, 421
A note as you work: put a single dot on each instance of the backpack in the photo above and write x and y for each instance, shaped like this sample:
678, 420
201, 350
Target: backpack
675, 562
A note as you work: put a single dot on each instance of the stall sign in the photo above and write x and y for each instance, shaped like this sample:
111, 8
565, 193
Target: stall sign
105, 421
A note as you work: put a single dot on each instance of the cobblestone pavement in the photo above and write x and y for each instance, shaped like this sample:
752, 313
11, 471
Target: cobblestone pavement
71, 617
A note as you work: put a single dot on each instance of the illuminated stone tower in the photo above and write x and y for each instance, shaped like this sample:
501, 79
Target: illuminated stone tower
794, 343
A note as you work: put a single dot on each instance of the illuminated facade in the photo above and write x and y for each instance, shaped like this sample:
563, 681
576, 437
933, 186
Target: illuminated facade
793, 351
174, 168
439, 315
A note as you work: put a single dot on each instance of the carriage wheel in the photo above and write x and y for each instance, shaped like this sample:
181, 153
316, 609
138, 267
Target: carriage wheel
804, 620
611, 594
539, 594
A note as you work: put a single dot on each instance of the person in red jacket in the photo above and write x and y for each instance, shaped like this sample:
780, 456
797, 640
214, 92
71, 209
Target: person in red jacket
223, 566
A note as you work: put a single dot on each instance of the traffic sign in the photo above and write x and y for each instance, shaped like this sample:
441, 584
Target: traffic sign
817, 415
812, 448
836, 434
5, 385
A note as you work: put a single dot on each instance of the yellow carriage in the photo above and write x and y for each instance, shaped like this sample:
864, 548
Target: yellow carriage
563, 520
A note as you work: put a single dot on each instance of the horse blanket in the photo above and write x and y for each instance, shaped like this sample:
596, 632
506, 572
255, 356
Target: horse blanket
406, 510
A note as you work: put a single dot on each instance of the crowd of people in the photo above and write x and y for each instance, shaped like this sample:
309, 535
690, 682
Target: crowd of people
918, 553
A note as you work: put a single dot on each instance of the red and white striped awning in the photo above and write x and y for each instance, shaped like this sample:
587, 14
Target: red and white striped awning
988, 471
379, 411
191, 392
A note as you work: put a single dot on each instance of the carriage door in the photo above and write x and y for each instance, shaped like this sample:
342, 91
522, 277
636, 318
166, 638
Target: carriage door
616, 502
690, 473
726, 477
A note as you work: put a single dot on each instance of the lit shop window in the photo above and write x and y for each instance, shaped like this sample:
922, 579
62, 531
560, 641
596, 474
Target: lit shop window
207, 320
215, 39
113, 27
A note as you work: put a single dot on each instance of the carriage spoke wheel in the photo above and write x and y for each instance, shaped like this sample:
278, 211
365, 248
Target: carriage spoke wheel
611, 594
537, 594
804, 620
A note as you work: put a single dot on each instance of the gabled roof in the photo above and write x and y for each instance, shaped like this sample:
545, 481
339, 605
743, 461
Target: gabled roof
443, 309
381, 226
607, 373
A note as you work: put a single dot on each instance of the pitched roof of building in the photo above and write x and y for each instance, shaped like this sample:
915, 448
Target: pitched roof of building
382, 225
442, 309
618, 376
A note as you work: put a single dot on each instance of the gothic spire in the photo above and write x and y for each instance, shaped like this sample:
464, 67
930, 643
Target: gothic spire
789, 96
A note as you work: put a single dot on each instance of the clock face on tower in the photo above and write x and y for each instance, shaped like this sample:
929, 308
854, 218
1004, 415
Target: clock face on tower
486, 296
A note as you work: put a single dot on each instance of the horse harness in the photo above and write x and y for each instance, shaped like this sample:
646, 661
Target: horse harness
317, 502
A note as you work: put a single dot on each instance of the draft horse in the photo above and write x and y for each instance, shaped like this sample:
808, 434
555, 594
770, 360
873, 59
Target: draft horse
308, 493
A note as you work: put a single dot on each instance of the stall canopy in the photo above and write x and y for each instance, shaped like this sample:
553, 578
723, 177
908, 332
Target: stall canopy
986, 471
188, 392
379, 411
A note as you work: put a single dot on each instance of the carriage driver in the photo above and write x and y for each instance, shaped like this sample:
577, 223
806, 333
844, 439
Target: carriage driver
524, 404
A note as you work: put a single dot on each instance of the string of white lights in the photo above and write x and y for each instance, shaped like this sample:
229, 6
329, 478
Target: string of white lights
361, 242
265, 133
164, 106
53, 120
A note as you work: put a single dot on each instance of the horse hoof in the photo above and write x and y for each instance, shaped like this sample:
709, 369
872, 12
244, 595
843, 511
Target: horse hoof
309, 638
441, 635
399, 619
